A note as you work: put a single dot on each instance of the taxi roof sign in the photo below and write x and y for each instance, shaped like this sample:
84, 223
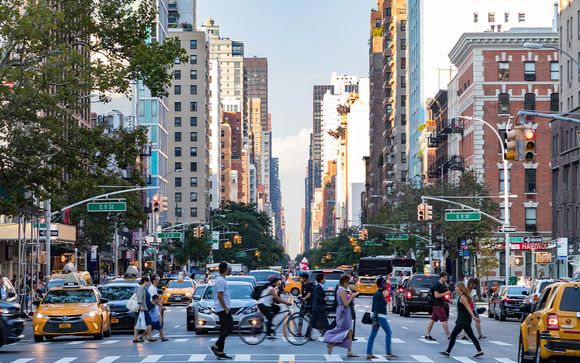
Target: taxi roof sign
72, 280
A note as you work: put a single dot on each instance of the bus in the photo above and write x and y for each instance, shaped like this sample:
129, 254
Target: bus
385, 265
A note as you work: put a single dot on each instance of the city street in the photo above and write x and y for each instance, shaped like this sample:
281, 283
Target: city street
184, 346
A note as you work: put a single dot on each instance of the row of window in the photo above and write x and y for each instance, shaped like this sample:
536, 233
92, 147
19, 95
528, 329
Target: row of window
192, 181
177, 89
503, 100
177, 74
192, 136
192, 152
531, 218
503, 71
179, 199
177, 106
192, 59
192, 212
529, 181
192, 121
506, 17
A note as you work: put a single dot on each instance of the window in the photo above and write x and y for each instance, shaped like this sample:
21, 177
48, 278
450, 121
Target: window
530, 71
475, 17
503, 107
403, 119
387, 11
506, 17
177, 136
501, 180
178, 165
193, 121
503, 69
193, 181
178, 197
177, 122
177, 89
403, 63
530, 101
530, 180
193, 106
176, 74
404, 157
491, 17
554, 71
521, 17
403, 25
193, 136
403, 44
531, 219
403, 100
178, 212
193, 212
193, 74
177, 106
403, 138
193, 59
403, 82
193, 44
178, 181
177, 152
193, 151
193, 89
193, 166
193, 197
177, 60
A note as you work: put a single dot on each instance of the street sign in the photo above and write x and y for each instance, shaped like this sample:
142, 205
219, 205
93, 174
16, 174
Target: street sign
397, 236
373, 244
168, 234
516, 239
528, 246
241, 254
53, 233
464, 253
462, 216
533, 239
507, 229
107, 207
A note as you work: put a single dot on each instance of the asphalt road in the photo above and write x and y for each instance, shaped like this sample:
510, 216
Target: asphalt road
184, 346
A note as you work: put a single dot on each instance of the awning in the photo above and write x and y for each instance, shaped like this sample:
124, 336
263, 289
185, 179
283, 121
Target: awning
62, 233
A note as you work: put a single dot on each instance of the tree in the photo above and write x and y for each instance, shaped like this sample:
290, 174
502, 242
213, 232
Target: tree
191, 248
487, 260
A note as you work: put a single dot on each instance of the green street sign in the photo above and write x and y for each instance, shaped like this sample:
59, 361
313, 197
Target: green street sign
373, 244
150, 250
516, 239
241, 254
107, 207
397, 236
168, 234
462, 216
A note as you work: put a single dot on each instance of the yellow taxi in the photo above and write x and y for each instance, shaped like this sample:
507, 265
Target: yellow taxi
72, 309
552, 328
293, 285
366, 285
178, 292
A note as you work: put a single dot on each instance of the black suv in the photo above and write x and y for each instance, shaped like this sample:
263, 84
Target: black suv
11, 324
415, 297
331, 277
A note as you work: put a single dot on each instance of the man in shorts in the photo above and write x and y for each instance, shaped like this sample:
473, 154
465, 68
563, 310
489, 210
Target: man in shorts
441, 295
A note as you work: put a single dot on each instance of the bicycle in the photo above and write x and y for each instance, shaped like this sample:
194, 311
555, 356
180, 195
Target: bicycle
252, 329
296, 327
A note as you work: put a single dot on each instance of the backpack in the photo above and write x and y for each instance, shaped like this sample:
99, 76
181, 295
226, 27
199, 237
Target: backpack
257, 293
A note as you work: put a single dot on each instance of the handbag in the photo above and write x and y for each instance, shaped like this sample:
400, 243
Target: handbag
367, 319
479, 311
133, 304
140, 324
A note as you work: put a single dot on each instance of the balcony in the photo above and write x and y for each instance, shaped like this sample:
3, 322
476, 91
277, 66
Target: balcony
451, 126
433, 141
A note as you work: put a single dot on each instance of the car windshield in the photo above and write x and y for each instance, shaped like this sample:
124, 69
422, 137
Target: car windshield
367, 281
543, 285
516, 290
424, 281
330, 284
69, 297
241, 292
180, 285
163, 282
115, 293
263, 275
570, 299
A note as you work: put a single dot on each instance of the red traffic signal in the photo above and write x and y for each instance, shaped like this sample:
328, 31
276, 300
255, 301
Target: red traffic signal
530, 144
155, 203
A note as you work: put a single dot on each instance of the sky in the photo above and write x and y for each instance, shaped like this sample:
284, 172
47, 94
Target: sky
304, 41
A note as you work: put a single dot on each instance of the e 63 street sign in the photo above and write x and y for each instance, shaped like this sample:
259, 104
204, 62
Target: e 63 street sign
168, 234
107, 207
462, 216
507, 229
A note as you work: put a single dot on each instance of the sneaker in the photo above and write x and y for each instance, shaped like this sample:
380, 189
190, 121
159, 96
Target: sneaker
429, 337
214, 349
464, 337
271, 337
445, 354
482, 336
224, 356
370, 356
479, 354
164, 339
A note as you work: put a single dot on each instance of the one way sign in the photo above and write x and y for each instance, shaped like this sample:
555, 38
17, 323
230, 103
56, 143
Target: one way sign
507, 229
53, 233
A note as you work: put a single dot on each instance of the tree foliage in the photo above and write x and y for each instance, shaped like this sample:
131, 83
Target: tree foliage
191, 248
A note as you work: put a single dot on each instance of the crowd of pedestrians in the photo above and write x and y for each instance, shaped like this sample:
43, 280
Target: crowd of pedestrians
150, 310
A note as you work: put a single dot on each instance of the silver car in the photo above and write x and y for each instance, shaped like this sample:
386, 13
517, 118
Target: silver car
201, 316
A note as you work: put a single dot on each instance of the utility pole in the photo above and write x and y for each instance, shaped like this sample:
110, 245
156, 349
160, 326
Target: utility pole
431, 247
140, 252
116, 241
47, 215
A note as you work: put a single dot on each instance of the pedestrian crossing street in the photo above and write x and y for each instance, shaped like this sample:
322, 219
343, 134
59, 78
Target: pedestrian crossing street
279, 358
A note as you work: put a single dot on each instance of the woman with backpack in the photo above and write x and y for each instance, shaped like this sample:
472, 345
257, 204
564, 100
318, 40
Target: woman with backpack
268, 303
465, 315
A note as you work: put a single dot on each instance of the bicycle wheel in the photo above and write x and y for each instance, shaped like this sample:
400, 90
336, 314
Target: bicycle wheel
295, 328
252, 330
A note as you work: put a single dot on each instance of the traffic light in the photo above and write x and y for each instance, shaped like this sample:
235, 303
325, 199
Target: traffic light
357, 249
352, 241
201, 231
428, 212
237, 239
530, 144
421, 211
227, 244
328, 256
164, 204
155, 205
511, 144
363, 234
257, 254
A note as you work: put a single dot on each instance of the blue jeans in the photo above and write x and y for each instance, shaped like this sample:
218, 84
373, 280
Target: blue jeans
383, 323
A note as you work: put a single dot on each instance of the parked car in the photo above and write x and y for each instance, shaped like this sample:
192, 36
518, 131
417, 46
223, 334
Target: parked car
332, 277
11, 324
415, 298
243, 278
201, 316
507, 305
551, 328
492, 286
397, 294
261, 276
532, 296
118, 294
491, 301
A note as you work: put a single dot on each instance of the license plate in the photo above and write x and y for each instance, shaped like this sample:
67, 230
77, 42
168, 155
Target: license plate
177, 299
114, 320
424, 294
64, 326
368, 286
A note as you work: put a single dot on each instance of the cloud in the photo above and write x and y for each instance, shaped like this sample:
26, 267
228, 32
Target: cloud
293, 153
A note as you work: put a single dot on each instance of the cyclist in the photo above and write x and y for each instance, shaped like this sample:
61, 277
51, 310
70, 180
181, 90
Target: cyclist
307, 288
268, 303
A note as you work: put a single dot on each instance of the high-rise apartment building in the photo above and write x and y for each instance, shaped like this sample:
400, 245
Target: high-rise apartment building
226, 164
566, 137
189, 126
276, 199
215, 120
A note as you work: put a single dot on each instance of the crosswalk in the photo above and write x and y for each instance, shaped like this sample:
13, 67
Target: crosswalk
279, 358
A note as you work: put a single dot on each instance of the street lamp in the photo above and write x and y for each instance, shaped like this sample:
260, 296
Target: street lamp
536, 46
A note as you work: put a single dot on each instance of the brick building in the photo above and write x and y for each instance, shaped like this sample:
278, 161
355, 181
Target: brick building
497, 77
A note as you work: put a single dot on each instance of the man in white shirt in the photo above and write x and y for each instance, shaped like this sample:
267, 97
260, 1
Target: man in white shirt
153, 289
3, 290
222, 304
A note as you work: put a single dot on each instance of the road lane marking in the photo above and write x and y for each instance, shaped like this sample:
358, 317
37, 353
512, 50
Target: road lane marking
463, 359
213, 339
332, 358
360, 340
242, 357
177, 326
286, 358
77, 342
109, 359
422, 358
197, 357
181, 340
106, 342
497, 342
504, 360
379, 358
404, 327
397, 340
22, 360
428, 341
151, 358
66, 360
464, 342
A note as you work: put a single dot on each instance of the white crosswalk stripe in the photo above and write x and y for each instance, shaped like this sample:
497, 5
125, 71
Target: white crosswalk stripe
76, 342
464, 342
422, 358
109, 359
22, 360
181, 340
379, 358
332, 358
66, 360
109, 342
197, 358
287, 358
397, 340
151, 358
497, 342
428, 341
463, 359
504, 360
243, 357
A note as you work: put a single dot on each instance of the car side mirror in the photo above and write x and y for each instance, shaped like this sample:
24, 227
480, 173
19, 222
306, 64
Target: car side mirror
196, 298
103, 300
36, 302
11, 295
525, 308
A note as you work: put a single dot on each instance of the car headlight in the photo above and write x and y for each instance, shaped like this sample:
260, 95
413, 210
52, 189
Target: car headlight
205, 310
188, 294
251, 309
166, 294
90, 314
41, 316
